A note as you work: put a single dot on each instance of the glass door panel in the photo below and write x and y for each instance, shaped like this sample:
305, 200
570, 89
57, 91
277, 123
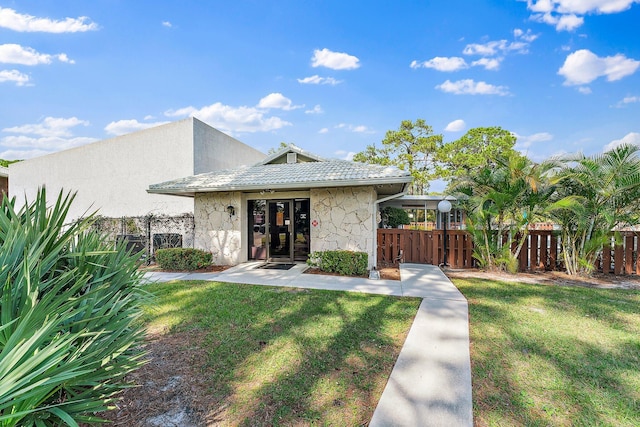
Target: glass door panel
280, 228
301, 230
257, 229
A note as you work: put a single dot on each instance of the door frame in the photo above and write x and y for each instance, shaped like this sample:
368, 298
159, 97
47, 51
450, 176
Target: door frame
290, 229
249, 227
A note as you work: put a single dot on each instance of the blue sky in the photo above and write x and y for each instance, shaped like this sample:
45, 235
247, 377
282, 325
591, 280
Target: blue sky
330, 76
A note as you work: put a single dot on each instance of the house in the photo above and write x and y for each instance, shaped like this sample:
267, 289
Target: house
113, 175
288, 205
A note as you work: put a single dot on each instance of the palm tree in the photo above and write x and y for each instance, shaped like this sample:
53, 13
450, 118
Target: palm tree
500, 202
595, 196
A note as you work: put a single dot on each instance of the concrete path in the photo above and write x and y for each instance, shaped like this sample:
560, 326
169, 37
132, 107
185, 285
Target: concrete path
430, 384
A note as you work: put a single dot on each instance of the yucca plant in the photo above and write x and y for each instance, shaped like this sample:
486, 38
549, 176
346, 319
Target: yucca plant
69, 309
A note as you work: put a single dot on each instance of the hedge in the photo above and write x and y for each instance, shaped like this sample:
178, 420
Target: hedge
182, 259
348, 263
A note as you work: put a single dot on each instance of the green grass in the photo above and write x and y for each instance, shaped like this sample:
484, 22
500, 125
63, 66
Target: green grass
550, 355
282, 356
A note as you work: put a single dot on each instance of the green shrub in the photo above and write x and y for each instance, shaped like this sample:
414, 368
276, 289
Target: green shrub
348, 263
395, 216
182, 259
69, 306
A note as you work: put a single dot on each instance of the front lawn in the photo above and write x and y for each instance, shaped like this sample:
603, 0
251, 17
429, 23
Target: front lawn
229, 354
551, 355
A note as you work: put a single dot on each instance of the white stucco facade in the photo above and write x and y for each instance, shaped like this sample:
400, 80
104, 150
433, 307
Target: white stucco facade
345, 218
217, 231
113, 175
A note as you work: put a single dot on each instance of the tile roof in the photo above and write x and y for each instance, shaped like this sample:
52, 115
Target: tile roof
331, 173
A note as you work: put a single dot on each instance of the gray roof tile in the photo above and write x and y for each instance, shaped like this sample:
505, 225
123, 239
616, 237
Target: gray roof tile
293, 175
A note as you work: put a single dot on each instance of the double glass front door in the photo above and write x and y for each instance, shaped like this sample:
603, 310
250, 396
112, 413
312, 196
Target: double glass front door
279, 230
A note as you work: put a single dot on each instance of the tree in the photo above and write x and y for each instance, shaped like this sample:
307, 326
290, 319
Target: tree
412, 148
478, 148
500, 201
393, 217
275, 150
595, 195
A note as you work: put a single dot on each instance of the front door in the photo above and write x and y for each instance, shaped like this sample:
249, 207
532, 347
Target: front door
280, 231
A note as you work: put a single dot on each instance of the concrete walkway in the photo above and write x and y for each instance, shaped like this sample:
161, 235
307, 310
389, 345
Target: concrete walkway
430, 384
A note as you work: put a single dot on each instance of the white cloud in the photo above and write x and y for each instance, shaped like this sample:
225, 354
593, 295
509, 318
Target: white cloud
565, 15
470, 87
324, 130
456, 126
15, 76
50, 127
580, 7
22, 154
562, 22
627, 100
523, 142
278, 101
46, 144
122, 127
15, 21
317, 80
488, 63
495, 47
527, 36
315, 110
583, 66
585, 90
167, 24
441, 63
630, 138
334, 60
231, 119
345, 155
16, 54
354, 128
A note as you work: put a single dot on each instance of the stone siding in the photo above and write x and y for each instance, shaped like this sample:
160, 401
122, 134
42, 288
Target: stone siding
345, 217
216, 232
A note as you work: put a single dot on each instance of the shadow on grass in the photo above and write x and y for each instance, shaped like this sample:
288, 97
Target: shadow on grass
545, 355
287, 356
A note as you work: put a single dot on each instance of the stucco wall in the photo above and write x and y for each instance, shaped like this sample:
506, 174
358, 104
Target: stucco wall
345, 219
113, 175
216, 232
217, 150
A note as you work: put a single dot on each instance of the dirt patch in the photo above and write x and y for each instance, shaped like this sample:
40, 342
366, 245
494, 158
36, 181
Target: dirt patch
171, 391
556, 278
386, 273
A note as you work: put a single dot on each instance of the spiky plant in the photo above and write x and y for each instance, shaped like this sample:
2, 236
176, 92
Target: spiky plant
69, 309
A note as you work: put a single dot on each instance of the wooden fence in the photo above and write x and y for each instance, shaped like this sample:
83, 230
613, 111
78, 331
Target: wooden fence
540, 252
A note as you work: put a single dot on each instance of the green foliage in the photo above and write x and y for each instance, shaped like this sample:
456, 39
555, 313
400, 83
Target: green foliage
182, 259
477, 149
393, 217
6, 163
348, 263
412, 148
500, 201
69, 306
281, 146
595, 195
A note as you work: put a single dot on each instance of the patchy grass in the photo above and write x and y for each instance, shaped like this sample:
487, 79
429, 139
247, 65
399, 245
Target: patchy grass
258, 355
550, 355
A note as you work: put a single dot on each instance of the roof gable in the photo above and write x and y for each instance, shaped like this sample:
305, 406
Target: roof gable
282, 156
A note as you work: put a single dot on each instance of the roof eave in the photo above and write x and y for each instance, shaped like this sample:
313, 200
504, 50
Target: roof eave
191, 191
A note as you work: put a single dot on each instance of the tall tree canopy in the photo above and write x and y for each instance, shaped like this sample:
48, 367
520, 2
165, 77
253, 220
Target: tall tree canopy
477, 149
412, 148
